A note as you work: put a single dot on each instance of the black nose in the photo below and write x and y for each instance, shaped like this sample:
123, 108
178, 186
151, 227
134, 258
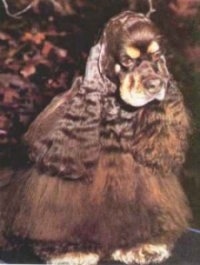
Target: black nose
153, 85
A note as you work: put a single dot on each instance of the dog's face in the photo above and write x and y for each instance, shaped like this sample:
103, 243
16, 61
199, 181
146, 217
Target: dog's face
136, 60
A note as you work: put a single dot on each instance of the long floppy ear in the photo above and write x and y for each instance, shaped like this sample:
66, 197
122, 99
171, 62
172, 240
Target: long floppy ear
108, 45
46, 120
71, 148
106, 59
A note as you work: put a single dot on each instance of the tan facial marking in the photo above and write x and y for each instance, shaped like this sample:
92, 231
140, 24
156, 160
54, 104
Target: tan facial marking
128, 86
153, 47
132, 52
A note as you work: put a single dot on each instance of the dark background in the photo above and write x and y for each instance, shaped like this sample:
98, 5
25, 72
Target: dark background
42, 51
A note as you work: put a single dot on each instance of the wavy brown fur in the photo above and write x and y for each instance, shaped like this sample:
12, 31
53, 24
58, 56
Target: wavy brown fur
104, 176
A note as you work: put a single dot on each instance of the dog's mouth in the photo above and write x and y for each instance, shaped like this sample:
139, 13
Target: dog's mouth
137, 92
141, 99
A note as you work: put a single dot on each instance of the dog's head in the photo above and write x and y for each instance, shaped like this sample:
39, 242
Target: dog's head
132, 57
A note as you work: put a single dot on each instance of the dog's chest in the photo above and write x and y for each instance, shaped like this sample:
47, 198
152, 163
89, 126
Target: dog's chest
118, 126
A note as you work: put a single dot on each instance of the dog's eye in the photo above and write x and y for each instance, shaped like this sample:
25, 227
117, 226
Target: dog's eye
127, 61
156, 55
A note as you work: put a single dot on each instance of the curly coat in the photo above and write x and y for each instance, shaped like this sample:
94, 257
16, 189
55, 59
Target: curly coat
104, 174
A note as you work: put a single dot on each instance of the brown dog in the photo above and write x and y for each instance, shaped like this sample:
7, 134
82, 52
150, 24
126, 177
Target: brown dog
103, 182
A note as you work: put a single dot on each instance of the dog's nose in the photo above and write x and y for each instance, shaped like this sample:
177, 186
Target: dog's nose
153, 85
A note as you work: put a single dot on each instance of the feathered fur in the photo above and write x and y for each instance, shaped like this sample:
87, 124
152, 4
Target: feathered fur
104, 175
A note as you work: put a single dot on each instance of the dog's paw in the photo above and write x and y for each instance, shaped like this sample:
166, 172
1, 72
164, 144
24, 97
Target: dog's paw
75, 258
142, 254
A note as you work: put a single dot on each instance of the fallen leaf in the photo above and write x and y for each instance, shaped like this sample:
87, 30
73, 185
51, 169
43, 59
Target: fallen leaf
10, 96
36, 38
46, 48
28, 70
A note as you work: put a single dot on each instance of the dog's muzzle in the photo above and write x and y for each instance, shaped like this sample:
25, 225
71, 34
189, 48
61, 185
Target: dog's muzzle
153, 84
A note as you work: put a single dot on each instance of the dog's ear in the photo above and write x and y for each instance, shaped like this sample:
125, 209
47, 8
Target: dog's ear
108, 46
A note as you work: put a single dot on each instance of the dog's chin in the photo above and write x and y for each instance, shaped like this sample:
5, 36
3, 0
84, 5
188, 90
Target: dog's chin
136, 99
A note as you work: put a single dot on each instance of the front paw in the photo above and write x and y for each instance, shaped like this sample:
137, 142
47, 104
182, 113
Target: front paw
75, 258
142, 254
